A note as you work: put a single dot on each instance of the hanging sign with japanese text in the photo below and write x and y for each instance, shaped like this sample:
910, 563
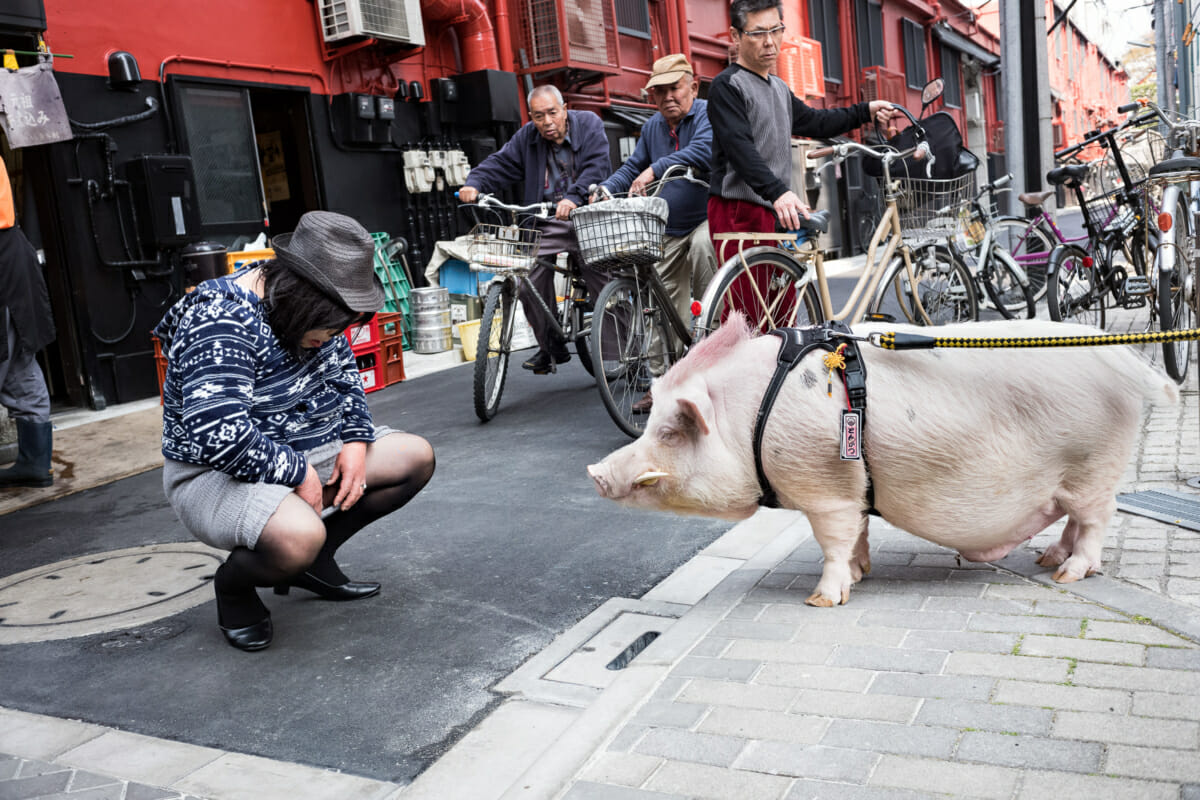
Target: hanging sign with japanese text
31, 106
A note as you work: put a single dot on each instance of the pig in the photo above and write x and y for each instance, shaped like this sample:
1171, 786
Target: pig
975, 449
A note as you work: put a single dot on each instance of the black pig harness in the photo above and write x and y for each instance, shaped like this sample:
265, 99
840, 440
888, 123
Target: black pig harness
796, 344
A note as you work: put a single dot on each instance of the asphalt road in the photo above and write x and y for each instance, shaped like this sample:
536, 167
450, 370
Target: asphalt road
506, 548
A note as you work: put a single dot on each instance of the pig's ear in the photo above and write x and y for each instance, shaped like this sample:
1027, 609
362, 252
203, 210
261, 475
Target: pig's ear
694, 413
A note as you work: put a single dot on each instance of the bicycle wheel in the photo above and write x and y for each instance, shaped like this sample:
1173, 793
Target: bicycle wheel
1073, 288
1030, 244
495, 343
1003, 283
769, 289
1175, 292
943, 284
631, 345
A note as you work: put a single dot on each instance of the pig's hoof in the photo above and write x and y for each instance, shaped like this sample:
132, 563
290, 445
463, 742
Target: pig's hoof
1064, 576
819, 600
1051, 558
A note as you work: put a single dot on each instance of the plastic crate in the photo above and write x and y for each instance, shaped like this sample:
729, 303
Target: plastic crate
235, 261
391, 326
370, 370
364, 338
393, 363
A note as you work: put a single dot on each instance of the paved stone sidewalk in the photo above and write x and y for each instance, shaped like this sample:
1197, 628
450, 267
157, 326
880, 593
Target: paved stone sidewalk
936, 678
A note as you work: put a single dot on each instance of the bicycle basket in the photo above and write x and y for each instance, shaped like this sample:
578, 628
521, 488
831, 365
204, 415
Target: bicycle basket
930, 208
503, 248
626, 231
1108, 210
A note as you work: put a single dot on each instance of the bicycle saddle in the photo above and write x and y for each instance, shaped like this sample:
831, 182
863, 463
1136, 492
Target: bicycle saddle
819, 222
1035, 198
1174, 165
1071, 176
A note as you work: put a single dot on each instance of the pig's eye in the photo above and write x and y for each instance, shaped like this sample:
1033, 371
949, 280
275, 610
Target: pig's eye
668, 434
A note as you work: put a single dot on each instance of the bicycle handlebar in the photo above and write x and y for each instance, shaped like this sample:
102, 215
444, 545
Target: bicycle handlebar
675, 172
541, 210
1097, 135
841, 150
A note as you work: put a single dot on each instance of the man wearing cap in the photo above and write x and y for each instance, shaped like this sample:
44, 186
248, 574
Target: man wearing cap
554, 158
754, 115
269, 447
678, 133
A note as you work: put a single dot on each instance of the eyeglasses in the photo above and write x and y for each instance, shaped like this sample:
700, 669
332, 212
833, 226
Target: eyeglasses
761, 35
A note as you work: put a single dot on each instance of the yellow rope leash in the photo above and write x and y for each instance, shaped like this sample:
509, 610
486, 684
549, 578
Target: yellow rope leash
909, 341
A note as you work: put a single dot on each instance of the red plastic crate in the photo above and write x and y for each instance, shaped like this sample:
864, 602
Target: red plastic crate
364, 338
393, 362
391, 324
370, 370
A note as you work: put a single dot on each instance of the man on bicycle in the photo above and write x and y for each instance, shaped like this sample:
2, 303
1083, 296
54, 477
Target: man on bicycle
679, 133
754, 115
556, 156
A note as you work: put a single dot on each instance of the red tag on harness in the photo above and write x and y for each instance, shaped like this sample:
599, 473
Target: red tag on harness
851, 435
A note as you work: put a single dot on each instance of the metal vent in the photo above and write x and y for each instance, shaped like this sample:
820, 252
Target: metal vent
391, 20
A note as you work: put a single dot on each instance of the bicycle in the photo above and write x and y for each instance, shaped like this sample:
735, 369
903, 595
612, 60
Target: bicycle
510, 251
636, 332
1176, 269
997, 275
784, 284
1032, 239
1080, 280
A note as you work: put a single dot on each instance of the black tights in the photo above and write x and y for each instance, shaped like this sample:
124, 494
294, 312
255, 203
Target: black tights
238, 605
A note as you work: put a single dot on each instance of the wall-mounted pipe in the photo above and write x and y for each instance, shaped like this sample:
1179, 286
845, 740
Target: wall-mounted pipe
504, 36
477, 38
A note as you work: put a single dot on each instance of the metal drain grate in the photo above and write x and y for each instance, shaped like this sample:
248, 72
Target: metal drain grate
1173, 507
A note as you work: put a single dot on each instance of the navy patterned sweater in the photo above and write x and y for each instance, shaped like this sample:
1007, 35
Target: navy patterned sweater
236, 401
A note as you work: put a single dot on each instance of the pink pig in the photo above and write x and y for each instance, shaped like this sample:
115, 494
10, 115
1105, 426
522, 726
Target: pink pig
974, 449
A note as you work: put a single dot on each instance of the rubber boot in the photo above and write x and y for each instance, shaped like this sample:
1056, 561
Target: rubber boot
35, 441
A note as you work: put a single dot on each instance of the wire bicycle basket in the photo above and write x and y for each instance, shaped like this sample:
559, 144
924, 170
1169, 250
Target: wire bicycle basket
930, 207
1110, 211
503, 249
625, 231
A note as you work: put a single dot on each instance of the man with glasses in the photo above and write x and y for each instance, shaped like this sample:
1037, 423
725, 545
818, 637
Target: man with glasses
754, 115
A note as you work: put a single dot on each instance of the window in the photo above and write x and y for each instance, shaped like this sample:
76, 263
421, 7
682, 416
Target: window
952, 74
914, 54
633, 17
868, 19
823, 22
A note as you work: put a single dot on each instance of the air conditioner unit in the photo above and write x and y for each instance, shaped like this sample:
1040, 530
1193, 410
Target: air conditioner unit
390, 20
587, 38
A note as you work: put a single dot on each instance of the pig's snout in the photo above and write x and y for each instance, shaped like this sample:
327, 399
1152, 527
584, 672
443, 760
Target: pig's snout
597, 473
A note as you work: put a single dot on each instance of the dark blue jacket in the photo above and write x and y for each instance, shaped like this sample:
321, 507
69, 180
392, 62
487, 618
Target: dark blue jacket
523, 158
688, 202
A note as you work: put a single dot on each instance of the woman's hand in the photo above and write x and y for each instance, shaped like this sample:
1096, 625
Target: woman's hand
350, 469
310, 490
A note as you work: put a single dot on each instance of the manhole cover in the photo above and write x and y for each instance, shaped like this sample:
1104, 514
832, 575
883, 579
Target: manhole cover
105, 592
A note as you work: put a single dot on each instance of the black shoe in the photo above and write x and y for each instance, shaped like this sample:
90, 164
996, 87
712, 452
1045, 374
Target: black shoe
350, 590
541, 363
252, 637
644, 405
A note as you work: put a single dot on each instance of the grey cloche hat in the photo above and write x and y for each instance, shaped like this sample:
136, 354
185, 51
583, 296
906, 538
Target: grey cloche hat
335, 253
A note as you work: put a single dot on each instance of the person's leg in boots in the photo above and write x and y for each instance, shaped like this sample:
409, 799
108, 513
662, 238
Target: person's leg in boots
23, 392
398, 467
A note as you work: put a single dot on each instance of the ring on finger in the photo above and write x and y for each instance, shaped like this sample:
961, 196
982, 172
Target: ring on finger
364, 487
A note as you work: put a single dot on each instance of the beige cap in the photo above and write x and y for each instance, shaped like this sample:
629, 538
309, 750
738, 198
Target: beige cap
669, 69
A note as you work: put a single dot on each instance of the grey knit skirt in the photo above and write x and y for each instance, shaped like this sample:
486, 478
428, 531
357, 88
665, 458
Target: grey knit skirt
225, 512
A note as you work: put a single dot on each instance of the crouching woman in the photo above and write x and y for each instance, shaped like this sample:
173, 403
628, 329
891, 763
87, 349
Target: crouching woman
270, 450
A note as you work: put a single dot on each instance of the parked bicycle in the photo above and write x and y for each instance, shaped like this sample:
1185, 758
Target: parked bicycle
636, 331
509, 251
1177, 259
784, 284
999, 280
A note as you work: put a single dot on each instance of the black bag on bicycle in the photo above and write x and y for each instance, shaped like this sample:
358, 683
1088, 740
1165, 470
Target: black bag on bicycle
951, 157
